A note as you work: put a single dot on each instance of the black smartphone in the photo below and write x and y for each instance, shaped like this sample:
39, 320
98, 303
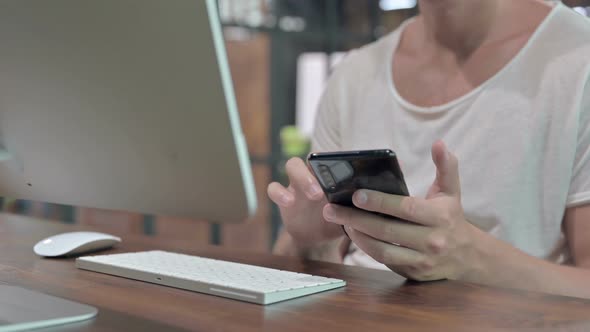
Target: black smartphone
340, 174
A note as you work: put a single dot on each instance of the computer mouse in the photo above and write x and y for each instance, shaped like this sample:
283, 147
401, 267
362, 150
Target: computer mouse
74, 243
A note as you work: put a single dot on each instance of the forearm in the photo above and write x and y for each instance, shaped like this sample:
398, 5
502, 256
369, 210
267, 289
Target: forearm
329, 251
505, 266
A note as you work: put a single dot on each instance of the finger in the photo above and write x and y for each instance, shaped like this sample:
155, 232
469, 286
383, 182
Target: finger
447, 169
302, 180
280, 195
412, 209
385, 253
387, 230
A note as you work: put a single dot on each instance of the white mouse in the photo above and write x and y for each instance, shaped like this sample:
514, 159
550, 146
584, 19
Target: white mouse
73, 243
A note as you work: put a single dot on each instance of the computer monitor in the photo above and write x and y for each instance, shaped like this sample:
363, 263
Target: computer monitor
123, 105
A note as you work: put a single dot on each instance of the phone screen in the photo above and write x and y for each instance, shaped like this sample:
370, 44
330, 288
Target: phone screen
340, 174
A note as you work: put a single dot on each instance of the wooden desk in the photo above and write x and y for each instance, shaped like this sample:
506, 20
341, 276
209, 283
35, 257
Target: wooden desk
372, 301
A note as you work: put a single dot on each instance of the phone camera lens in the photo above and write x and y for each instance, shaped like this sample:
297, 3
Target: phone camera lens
327, 177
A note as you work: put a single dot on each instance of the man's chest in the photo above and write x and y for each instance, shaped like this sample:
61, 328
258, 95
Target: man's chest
429, 80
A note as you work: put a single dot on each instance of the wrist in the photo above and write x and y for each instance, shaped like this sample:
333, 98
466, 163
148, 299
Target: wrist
327, 250
496, 263
479, 256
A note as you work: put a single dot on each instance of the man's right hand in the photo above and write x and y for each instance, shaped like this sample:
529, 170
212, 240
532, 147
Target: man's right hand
301, 205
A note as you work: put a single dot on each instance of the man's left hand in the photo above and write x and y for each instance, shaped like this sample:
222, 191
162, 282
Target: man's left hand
426, 238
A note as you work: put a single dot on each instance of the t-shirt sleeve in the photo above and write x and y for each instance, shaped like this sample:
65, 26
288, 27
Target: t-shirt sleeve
579, 192
326, 132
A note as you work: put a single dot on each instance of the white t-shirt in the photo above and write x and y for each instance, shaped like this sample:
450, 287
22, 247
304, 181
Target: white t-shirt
522, 138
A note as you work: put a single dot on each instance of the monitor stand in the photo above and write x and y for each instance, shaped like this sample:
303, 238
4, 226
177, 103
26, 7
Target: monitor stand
22, 309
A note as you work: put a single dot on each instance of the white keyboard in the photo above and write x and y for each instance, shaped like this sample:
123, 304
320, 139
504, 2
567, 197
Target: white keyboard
233, 280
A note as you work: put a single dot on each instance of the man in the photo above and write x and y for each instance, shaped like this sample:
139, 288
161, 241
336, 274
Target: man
503, 84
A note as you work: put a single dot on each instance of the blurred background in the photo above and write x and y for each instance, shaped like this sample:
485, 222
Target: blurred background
281, 53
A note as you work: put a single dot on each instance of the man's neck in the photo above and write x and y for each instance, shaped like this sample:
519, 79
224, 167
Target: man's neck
459, 26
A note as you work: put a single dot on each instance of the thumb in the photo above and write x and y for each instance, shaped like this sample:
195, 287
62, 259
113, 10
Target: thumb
447, 169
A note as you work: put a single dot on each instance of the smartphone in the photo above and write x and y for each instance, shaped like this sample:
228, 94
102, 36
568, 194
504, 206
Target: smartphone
340, 174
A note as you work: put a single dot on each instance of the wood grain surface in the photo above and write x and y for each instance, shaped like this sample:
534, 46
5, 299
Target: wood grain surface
372, 301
